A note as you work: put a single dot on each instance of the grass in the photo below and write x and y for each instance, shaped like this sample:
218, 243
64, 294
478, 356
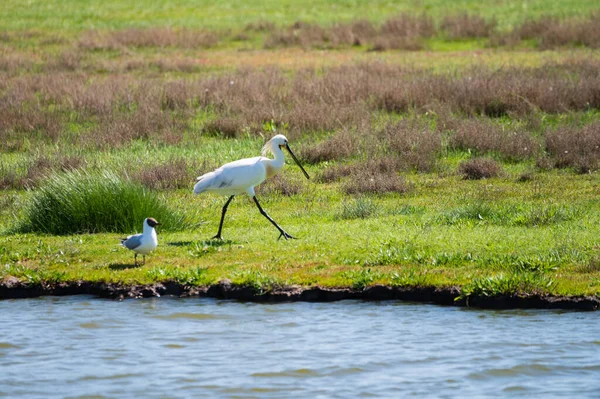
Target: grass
389, 247
472, 162
74, 15
83, 202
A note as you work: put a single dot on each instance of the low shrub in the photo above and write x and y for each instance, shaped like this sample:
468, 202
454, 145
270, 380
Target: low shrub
341, 145
575, 147
373, 182
415, 145
479, 168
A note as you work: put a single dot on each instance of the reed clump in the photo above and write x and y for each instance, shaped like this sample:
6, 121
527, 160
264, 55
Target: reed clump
85, 202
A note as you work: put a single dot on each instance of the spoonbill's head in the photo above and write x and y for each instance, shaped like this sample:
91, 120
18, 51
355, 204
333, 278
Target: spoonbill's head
151, 222
281, 142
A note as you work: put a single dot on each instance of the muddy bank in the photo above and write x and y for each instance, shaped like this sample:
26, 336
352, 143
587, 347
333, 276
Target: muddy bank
13, 288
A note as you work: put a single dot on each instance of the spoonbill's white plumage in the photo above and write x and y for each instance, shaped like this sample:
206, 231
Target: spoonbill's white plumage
143, 243
242, 176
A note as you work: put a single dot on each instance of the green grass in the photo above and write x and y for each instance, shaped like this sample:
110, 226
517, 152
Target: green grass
84, 202
76, 15
395, 248
494, 236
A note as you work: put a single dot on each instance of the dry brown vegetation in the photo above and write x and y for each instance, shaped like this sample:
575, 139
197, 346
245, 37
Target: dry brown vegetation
408, 32
105, 112
467, 26
152, 37
382, 165
414, 144
575, 147
340, 146
368, 181
482, 136
552, 32
31, 174
405, 31
282, 185
173, 174
479, 168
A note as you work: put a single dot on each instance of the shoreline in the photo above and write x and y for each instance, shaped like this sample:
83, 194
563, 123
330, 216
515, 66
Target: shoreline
13, 288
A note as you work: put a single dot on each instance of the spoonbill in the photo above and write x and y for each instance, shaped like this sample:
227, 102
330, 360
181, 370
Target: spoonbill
242, 176
143, 243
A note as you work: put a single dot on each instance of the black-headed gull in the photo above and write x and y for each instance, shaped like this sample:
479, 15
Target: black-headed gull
142, 243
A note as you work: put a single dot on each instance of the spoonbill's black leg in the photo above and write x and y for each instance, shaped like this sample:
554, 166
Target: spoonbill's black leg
265, 214
218, 236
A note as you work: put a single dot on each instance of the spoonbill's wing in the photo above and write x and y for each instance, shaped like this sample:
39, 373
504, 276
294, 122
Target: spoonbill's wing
234, 177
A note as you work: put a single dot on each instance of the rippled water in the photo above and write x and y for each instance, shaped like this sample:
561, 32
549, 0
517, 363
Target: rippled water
81, 347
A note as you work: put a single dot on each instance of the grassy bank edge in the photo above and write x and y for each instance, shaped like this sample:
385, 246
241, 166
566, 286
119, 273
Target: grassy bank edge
12, 288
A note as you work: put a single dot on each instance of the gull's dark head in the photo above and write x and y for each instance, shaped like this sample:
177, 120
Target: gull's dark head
152, 222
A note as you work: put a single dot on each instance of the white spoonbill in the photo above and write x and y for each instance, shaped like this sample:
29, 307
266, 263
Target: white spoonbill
242, 176
142, 243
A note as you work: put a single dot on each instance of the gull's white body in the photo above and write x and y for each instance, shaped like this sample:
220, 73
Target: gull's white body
142, 243
241, 176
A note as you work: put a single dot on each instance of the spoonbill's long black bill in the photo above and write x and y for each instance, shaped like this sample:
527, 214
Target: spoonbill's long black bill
287, 147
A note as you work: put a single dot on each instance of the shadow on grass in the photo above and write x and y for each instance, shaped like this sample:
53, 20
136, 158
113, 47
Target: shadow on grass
123, 266
180, 243
205, 243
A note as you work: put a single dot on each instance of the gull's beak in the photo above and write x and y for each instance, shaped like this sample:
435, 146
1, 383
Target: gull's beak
287, 147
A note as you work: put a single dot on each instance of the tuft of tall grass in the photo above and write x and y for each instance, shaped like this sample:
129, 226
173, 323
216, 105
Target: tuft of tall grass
85, 202
360, 208
513, 284
361, 278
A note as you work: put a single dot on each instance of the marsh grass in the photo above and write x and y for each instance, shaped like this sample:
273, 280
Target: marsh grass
410, 278
172, 174
195, 276
479, 168
507, 285
578, 148
78, 202
359, 208
467, 26
360, 279
260, 281
527, 215
156, 102
281, 185
406, 31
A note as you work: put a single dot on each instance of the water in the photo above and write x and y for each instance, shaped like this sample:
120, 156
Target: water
82, 347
